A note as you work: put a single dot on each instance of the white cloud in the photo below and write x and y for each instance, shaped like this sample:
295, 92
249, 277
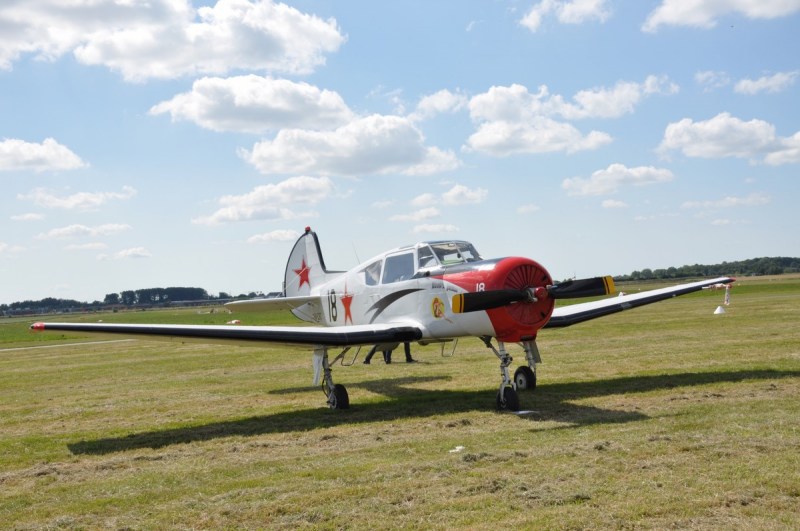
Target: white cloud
440, 102
7, 248
31, 216
774, 83
418, 215
613, 203
527, 209
255, 104
461, 195
17, 155
77, 230
609, 180
125, 254
280, 235
787, 153
169, 38
539, 135
704, 13
270, 201
754, 199
374, 144
615, 102
728, 136
434, 228
513, 120
92, 246
711, 79
422, 200
566, 12
81, 200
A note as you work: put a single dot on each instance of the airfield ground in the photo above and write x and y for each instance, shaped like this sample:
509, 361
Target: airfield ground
666, 416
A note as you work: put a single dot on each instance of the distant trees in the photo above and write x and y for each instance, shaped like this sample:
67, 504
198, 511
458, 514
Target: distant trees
157, 296
753, 266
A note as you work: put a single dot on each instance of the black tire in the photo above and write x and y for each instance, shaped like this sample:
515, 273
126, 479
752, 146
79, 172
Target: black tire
509, 401
339, 398
525, 378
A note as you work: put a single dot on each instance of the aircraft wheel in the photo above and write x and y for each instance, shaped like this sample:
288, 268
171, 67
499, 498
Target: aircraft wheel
509, 400
525, 378
339, 399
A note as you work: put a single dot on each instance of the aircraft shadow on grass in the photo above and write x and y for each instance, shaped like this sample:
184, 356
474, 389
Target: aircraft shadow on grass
553, 402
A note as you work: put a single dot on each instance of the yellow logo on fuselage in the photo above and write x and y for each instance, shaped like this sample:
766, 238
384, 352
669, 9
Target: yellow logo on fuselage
437, 308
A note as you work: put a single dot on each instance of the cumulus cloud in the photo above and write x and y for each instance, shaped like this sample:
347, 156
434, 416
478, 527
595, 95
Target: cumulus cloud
434, 228
270, 201
705, 13
462, 195
440, 102
81, 200
374, 144
527, 209
609, 180
613, 203
512, 120
8, 248
418, 215
754, 199
255, 104
774, 83
539, 135
712, 79
77, 231
566, 12
91, 246
728, 136
280, 235
30, 216
169, 38
125, 254
17, 155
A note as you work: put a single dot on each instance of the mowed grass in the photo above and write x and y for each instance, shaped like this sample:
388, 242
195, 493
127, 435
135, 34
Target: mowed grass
660, 417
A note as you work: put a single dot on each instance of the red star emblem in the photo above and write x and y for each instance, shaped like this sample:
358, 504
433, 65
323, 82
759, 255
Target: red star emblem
347, 300
303, 274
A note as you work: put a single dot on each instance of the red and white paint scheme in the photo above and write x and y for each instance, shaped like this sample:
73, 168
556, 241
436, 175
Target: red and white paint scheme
429, 292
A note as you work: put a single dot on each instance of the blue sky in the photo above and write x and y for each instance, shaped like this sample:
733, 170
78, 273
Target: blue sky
174, 143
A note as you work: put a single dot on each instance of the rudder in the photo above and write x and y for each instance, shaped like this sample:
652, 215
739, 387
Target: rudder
306, 267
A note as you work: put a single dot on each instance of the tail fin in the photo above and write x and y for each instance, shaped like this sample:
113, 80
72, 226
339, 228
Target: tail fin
305, 268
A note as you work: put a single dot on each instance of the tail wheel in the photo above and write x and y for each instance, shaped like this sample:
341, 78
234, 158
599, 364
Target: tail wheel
525, 378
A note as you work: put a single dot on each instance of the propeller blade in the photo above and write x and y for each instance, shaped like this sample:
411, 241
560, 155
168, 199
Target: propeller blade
582, 287
486, 300
477, 301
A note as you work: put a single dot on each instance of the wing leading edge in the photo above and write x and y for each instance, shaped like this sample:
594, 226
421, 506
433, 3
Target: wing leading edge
578, 313
292, 335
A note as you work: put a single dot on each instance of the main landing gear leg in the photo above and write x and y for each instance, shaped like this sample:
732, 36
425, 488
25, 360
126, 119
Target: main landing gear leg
507, 398
336, 393
525, 376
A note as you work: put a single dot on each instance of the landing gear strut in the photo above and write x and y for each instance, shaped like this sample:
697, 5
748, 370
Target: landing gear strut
507, 398
336, 393
525, 376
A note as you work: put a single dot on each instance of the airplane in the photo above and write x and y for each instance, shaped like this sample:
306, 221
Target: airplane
430, 292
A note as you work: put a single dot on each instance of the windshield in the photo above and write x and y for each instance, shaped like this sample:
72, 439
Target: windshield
456, 252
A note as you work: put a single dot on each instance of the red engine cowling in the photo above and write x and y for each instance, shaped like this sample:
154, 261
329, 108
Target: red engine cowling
521, 320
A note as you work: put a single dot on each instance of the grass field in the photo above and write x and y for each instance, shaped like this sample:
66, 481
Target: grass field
662, 417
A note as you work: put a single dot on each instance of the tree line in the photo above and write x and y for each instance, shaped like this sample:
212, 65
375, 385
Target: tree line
140, 298
751, 267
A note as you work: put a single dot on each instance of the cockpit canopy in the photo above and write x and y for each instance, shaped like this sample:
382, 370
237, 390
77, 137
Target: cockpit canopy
405, 263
